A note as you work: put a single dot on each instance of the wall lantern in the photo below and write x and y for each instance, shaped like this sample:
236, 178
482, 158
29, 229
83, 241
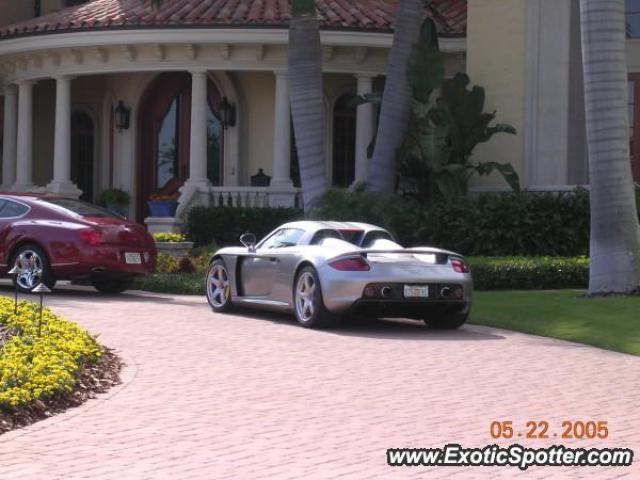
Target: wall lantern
122, 116
228, 114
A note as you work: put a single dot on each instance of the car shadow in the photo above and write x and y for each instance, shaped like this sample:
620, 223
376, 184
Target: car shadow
386, 329
79, 292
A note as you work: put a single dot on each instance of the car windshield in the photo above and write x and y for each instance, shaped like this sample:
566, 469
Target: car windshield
285, 237
81, 208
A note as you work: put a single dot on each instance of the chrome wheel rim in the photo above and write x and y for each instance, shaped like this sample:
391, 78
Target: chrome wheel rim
218, 286
306, 296
30, 265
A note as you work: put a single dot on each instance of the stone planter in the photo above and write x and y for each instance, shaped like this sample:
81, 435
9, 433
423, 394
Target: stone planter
175, 249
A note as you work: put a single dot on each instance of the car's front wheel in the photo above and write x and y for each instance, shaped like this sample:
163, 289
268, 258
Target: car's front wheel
34, 269
111, 286
308, 302
218, 287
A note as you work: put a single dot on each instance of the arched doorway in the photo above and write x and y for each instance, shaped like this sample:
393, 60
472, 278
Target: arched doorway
165, 128
344, 142
82, 153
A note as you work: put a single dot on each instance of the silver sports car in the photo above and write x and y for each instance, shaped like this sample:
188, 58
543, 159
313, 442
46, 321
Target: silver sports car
322, 271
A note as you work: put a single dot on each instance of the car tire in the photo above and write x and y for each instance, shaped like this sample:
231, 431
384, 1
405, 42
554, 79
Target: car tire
111, 286
451, 321
218, 287
308, 303
37, 268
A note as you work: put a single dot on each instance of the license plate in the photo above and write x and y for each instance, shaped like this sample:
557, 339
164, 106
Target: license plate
416, 291
133, 258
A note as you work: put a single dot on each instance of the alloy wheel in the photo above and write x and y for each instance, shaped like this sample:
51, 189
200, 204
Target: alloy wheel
218, 286
306, 296
31, 268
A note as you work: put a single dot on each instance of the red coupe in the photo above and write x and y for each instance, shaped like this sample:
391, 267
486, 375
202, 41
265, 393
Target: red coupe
52, 238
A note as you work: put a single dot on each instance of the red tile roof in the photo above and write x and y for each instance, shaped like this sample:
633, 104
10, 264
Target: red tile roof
371, 15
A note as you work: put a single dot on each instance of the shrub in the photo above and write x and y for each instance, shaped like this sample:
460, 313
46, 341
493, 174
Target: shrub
397, 214
34, 366
185, 284
538, 273
166, 264
169, 237
485, 224
510, 224
225, 225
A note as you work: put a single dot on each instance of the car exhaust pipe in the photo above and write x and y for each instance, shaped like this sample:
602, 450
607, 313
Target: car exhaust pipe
98, 270
445, 292
386, 291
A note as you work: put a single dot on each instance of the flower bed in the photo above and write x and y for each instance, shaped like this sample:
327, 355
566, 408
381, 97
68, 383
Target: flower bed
40, 368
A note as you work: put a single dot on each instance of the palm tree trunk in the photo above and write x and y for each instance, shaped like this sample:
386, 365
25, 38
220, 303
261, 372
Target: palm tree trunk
307, 99
615, 233
394, 113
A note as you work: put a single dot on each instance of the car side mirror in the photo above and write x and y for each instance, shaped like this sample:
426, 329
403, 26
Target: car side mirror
249, 241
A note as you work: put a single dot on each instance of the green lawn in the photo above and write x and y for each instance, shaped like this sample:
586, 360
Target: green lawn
612, 322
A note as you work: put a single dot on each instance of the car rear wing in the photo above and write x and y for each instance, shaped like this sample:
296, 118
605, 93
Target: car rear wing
441, 256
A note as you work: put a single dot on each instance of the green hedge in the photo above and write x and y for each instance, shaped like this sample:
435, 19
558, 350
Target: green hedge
506, 224
509, 224
223, 226
489, 273
538, 273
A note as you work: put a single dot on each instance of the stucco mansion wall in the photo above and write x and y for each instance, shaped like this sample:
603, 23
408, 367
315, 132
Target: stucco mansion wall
12, 11
495, 61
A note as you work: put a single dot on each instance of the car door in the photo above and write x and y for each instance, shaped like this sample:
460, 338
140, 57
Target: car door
259, 271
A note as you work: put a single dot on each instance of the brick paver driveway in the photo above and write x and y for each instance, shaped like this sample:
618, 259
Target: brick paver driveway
253, 396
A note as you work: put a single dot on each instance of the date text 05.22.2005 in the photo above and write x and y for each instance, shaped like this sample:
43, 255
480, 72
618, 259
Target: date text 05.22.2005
540, 429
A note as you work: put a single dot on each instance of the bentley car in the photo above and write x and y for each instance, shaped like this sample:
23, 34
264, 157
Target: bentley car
323, 271
50, 238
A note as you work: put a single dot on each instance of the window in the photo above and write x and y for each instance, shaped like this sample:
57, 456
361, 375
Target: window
10, 209
71, 3
214, 148
633, 18
325, 234
285, 237
80, 208
168, 146
344, 142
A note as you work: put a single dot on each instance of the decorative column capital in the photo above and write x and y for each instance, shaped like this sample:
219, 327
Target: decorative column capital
10, 89
364, 76
26, 83
196, 72
281, 73
63, 78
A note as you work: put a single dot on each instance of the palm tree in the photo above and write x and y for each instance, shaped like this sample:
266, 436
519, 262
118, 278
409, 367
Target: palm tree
394, 113
615, 233
306, 96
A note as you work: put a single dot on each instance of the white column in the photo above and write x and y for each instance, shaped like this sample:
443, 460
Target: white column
24, 155
10, 139
62, 141
282, 134
364, 129
198, 151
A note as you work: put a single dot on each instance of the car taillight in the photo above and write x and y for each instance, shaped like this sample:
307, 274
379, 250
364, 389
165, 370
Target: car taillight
459, 266
351, 264
92, 238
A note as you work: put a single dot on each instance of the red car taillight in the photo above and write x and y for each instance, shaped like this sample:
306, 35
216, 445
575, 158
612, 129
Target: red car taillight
93, 238
459, 266
351, 264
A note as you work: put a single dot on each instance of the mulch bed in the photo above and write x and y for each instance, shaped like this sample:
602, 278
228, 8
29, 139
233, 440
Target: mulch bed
94, 379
